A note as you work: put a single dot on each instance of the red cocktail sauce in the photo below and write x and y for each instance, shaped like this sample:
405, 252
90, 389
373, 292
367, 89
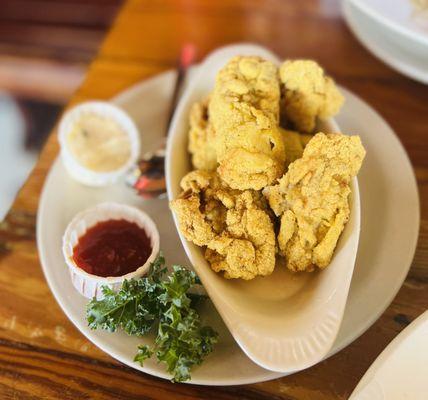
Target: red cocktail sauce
112, 248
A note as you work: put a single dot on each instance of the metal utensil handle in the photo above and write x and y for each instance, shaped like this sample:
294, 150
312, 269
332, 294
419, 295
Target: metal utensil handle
148, 177
187, 56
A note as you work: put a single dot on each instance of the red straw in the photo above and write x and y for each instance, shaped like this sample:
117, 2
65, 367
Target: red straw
187, 55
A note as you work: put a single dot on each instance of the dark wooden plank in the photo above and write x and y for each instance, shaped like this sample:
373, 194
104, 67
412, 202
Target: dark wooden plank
94, 13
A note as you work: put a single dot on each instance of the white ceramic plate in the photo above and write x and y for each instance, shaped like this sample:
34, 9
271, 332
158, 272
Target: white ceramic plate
287, 322
401, 16
406, 56
386, 245
400, 372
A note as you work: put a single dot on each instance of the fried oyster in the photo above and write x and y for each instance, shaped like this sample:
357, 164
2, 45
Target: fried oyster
230, 203
201, 138
233, 225
244, 111
312, 199
308, 94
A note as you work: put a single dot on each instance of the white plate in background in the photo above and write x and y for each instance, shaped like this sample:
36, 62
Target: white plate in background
404, 54
400, 372
401, 16
387, 242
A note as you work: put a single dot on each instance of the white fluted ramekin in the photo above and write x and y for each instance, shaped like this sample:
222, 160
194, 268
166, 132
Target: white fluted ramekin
105, 109
90, 285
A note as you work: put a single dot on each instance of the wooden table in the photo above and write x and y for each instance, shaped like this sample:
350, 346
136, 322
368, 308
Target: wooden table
42, 355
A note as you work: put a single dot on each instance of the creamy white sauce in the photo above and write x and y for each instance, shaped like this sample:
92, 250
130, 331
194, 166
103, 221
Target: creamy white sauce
99, 143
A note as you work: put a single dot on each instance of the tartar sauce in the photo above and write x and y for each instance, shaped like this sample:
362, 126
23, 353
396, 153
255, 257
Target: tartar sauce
99, 143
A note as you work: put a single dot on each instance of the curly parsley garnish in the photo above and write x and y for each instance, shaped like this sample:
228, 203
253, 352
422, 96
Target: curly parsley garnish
162, 302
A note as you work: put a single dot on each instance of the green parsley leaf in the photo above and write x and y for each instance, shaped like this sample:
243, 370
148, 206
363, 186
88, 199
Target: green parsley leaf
159, 302
144, 352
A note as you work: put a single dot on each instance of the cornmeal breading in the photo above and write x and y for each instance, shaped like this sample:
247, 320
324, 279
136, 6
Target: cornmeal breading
233, 225
244, 111
192, 222
201, 138
231, 203
312, 199
246, 248
308, 94
293, 145
214, 197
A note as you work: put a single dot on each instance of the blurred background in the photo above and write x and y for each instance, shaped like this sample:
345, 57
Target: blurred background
45, 48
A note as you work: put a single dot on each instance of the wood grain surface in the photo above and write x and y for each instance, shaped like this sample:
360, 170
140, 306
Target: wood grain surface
45, 45
43, 356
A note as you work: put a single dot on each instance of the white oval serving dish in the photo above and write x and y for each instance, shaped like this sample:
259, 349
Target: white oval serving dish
284, 322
